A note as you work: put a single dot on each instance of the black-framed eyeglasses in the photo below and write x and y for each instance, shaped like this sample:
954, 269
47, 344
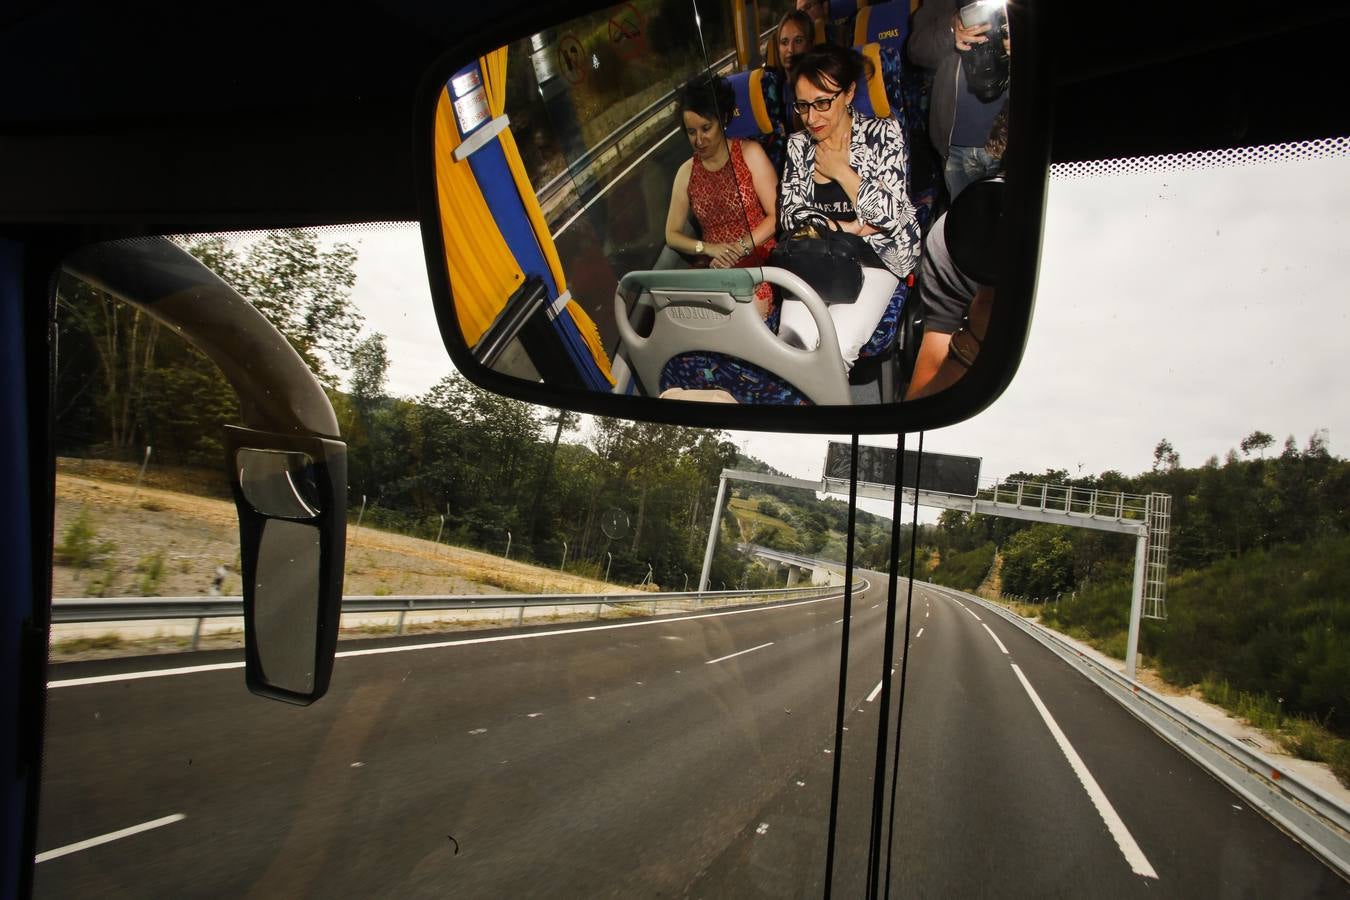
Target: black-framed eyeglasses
820, 104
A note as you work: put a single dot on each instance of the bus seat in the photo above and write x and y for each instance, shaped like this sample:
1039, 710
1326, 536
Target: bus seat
871, 98
745, 381
905, 91
759, 111
837, 27
884, 23
884, 335
707, 333
878, 361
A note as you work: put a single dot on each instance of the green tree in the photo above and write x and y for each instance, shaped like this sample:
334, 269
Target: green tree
1258, 440
1038, 562
1165, 456
369, 370
303, 288
125, 342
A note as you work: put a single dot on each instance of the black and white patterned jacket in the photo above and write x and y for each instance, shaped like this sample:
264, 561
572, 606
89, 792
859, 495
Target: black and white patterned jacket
878, 154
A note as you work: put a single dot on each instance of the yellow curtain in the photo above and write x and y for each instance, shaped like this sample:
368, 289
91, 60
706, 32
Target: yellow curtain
494, 81
483, 271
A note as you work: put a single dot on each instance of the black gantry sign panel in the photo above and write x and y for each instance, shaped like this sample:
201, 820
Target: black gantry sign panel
940, 472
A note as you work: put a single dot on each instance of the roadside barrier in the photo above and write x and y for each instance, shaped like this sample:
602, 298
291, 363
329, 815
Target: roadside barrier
85, 610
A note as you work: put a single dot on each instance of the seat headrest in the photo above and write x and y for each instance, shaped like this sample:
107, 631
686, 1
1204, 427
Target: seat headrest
751, 117
886, 23
870, 98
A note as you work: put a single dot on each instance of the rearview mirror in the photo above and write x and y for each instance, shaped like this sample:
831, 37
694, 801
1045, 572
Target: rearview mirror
622, 215
291, 496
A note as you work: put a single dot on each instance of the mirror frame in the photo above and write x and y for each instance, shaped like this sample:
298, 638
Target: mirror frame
1027, 170
330, 465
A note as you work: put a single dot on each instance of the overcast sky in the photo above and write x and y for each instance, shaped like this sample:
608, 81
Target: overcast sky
1192, 304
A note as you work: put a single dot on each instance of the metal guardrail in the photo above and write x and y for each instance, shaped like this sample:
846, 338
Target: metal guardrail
1318, 821
83, 610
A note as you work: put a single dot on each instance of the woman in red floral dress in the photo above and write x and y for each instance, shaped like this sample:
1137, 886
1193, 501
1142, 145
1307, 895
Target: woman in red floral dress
730, 186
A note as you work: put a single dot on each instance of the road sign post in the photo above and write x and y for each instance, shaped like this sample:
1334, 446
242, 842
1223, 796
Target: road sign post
712, 534
1136, 604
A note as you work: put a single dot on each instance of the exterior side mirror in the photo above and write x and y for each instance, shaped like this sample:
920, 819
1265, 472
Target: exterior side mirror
291, 496
287, 469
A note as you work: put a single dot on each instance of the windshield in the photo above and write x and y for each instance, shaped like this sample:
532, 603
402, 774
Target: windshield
590, 657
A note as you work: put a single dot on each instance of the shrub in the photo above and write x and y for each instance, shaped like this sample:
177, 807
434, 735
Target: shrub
79, 546
151, 569
1038, 562
965, 571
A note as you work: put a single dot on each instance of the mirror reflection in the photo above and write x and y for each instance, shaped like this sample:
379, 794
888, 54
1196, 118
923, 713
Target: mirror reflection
279, 483
644, 201
286, 604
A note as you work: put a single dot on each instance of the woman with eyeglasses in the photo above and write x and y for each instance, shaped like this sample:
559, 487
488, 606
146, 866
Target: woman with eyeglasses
729, 185
851, 169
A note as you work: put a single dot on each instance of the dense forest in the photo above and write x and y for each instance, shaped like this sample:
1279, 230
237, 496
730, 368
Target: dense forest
478, 469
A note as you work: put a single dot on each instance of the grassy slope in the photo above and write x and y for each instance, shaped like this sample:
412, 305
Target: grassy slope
185, 536
750, 520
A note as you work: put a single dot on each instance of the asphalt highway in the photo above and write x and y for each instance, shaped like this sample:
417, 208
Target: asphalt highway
648, 758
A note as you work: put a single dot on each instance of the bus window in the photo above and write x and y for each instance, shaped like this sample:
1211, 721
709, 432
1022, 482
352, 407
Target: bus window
531, 693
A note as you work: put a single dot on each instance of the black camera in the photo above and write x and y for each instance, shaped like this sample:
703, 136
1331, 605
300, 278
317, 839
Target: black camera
986, 65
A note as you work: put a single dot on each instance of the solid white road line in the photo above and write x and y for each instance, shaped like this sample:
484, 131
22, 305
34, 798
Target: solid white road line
132, 676
108, 838
876, 690
738, 653
1134, 856
996, 640
436, 645
972, 612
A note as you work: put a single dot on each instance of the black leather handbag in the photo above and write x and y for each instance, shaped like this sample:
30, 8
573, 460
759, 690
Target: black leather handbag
827, 258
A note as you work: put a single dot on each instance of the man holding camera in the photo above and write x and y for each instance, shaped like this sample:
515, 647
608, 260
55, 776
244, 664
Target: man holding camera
966, 44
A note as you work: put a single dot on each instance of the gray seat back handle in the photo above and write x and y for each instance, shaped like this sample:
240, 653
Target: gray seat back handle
713, 310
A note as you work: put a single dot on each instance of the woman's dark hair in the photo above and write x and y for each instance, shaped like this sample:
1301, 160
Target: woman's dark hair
825, 65
709, 97
802, 21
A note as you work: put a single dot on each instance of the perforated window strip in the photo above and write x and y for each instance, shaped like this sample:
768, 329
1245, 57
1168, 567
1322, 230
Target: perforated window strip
1325, 148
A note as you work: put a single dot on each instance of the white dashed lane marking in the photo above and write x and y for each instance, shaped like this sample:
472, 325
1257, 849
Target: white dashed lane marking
108, 838
737, 653
996, 640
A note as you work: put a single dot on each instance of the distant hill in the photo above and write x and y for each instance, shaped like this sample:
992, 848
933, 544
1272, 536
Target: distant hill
796, 520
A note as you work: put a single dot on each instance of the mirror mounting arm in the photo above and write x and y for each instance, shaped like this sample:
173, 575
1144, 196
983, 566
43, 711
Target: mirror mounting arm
277, 391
